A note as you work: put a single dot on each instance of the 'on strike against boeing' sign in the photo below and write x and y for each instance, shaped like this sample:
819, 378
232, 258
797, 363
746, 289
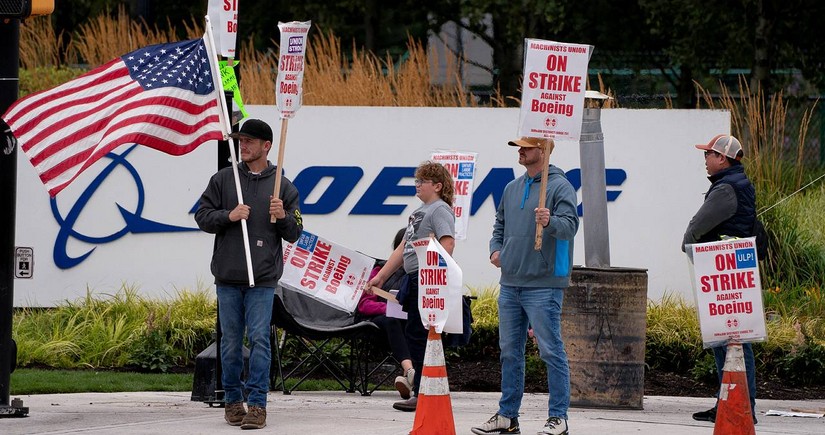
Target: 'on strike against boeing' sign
552, 98
728, 291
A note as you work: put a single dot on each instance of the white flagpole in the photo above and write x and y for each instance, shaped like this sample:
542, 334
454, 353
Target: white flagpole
227, 126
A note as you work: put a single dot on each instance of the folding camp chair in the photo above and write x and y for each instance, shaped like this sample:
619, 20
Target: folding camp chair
323, 334
375, 364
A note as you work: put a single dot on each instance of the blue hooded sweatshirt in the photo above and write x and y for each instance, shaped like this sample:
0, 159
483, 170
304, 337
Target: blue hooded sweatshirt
514, 232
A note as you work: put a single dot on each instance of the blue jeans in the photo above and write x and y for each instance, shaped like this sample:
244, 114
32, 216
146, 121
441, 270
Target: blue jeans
750, 367
242, 307
518, 308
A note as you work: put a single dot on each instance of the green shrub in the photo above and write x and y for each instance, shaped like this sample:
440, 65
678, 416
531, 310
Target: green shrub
108, 331
804, 366
673, 340
42, 78
704, 369
153, 353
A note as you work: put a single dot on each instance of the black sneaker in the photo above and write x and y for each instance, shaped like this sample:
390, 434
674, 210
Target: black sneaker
709, 415
498, 424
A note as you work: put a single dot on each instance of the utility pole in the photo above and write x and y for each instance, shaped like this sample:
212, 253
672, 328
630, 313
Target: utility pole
9, 76
11, 13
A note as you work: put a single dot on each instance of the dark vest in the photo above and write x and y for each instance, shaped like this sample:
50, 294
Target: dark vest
741, 223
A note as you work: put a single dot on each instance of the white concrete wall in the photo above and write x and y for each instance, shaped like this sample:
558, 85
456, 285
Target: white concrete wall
664, 185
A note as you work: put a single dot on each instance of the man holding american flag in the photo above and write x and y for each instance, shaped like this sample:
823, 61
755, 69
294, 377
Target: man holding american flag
244, 307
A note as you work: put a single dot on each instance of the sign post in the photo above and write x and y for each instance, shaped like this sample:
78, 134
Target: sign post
728, 291
439, 287
289, 87
462, 167
552, 97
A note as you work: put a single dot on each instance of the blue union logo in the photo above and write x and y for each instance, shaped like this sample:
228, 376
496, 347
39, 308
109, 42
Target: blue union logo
745, 258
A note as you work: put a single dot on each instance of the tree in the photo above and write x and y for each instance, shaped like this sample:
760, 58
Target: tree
787, 34
696, 36
503, 25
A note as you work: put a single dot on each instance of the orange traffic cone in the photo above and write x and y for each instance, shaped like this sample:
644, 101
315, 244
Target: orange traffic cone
434, 412
733, 412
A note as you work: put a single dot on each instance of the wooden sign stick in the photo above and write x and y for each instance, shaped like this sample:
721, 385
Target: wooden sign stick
277, 191
383, 293
543, 190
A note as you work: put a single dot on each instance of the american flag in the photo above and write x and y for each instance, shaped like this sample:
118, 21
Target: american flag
162, 96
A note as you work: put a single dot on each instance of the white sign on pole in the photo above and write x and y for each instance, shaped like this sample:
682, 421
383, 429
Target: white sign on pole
331, 273
289, 87
439, 287
462, 166
552, 96
224, 15
728, 291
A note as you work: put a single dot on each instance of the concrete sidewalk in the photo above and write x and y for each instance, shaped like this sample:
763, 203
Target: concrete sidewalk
342, 413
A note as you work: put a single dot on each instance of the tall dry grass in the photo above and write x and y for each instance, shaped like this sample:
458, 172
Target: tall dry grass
104, 38
96, 41
333, 76
761, 121
41, 47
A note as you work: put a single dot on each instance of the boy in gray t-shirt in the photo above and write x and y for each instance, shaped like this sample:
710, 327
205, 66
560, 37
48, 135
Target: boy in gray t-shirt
434, 187
435, 218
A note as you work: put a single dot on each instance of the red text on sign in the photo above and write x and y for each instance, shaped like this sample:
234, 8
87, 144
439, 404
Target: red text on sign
554, 82
730, 308
291, 63
338, 276
316, 265
727, 281
432, 303
556, 63
432, 277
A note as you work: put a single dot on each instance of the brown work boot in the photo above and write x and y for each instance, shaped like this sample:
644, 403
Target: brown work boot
255, 418
234, 413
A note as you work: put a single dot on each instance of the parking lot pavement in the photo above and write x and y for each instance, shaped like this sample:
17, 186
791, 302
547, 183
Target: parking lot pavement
345, 414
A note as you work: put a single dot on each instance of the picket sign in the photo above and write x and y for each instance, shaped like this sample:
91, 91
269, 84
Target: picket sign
552, 97
326, 271
289, 86
440, 281
462, 167
728, 291
224, 16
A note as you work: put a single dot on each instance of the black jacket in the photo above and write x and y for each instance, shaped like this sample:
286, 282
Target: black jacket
741, 223
228, 258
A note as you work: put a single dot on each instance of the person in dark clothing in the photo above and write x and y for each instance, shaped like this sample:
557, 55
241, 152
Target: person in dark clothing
729, 210
374, 309
243, 307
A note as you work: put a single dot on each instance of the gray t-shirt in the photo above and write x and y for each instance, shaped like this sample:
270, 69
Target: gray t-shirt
435, 218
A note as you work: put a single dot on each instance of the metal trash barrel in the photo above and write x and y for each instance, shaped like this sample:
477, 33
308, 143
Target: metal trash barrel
604, 316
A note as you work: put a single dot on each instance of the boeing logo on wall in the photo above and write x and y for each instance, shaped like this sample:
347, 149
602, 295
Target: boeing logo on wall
343, 180
133, 221
387, 183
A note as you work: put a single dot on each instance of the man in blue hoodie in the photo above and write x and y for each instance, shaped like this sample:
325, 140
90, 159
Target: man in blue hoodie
532, 285
244, 308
